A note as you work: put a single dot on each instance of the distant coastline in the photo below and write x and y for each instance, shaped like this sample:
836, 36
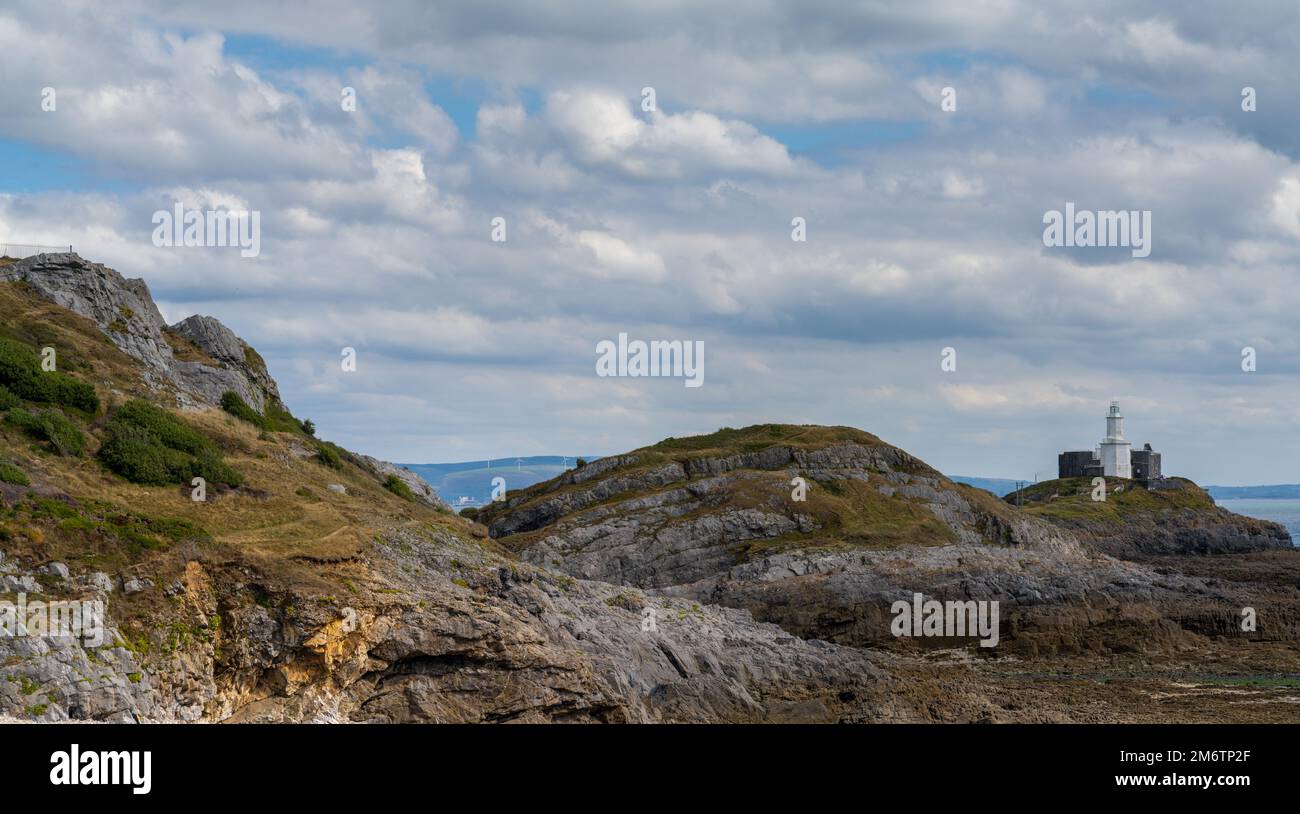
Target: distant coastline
998, 486
1278, 491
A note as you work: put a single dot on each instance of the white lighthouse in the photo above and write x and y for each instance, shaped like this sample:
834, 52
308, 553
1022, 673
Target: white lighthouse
1115, 449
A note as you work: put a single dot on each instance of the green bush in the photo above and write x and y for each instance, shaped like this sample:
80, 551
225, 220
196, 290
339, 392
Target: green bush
398, 487
276, 419
328, 455
236, 406
7, 398
72, 392
53, 426
469, 512
146, 444
279, 419
308, 427
170, 430
20, 368
137, 455
12, 474
20, 372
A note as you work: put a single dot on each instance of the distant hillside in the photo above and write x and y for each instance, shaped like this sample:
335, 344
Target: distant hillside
998, 486
1286, 491
473, 479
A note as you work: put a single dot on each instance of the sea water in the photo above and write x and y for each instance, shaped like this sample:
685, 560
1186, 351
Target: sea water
1280, 510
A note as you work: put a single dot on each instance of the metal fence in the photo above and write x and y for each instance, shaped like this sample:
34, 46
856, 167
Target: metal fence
21, 250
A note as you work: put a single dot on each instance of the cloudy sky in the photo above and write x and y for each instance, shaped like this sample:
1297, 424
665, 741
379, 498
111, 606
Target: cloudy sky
924, 226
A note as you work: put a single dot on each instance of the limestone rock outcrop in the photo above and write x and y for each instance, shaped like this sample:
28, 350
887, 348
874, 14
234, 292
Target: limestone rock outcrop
125, 311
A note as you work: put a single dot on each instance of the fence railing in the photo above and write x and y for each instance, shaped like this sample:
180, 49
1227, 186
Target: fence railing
21, 250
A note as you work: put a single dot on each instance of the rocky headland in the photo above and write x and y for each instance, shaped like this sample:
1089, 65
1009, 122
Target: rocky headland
691, 580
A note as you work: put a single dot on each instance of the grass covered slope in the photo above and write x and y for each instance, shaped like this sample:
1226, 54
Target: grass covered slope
688, 508
760, 446
758, 437
1072, 498
97, 476
1135, 519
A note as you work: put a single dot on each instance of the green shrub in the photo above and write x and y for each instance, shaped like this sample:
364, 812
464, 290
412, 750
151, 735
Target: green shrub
308, 427
7, 398
72, 392
236, 406
146, 444
469, 512
276, 418
53, 426
20, 372
170, 430
137, 455
12, 474
398, 487
20, 368
328, 455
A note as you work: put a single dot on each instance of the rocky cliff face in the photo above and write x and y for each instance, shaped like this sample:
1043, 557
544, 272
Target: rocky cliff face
437, 630
192, 362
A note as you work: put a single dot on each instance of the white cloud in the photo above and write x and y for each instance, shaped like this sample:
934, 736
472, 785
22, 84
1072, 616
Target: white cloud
615, 257
923, 227
601, 129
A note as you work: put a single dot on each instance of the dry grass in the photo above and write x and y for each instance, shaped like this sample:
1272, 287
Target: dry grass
284, 519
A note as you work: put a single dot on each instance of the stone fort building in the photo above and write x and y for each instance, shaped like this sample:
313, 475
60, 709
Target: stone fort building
1114, 457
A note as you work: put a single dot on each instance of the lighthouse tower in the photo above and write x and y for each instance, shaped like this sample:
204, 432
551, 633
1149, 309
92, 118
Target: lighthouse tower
1115, 449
